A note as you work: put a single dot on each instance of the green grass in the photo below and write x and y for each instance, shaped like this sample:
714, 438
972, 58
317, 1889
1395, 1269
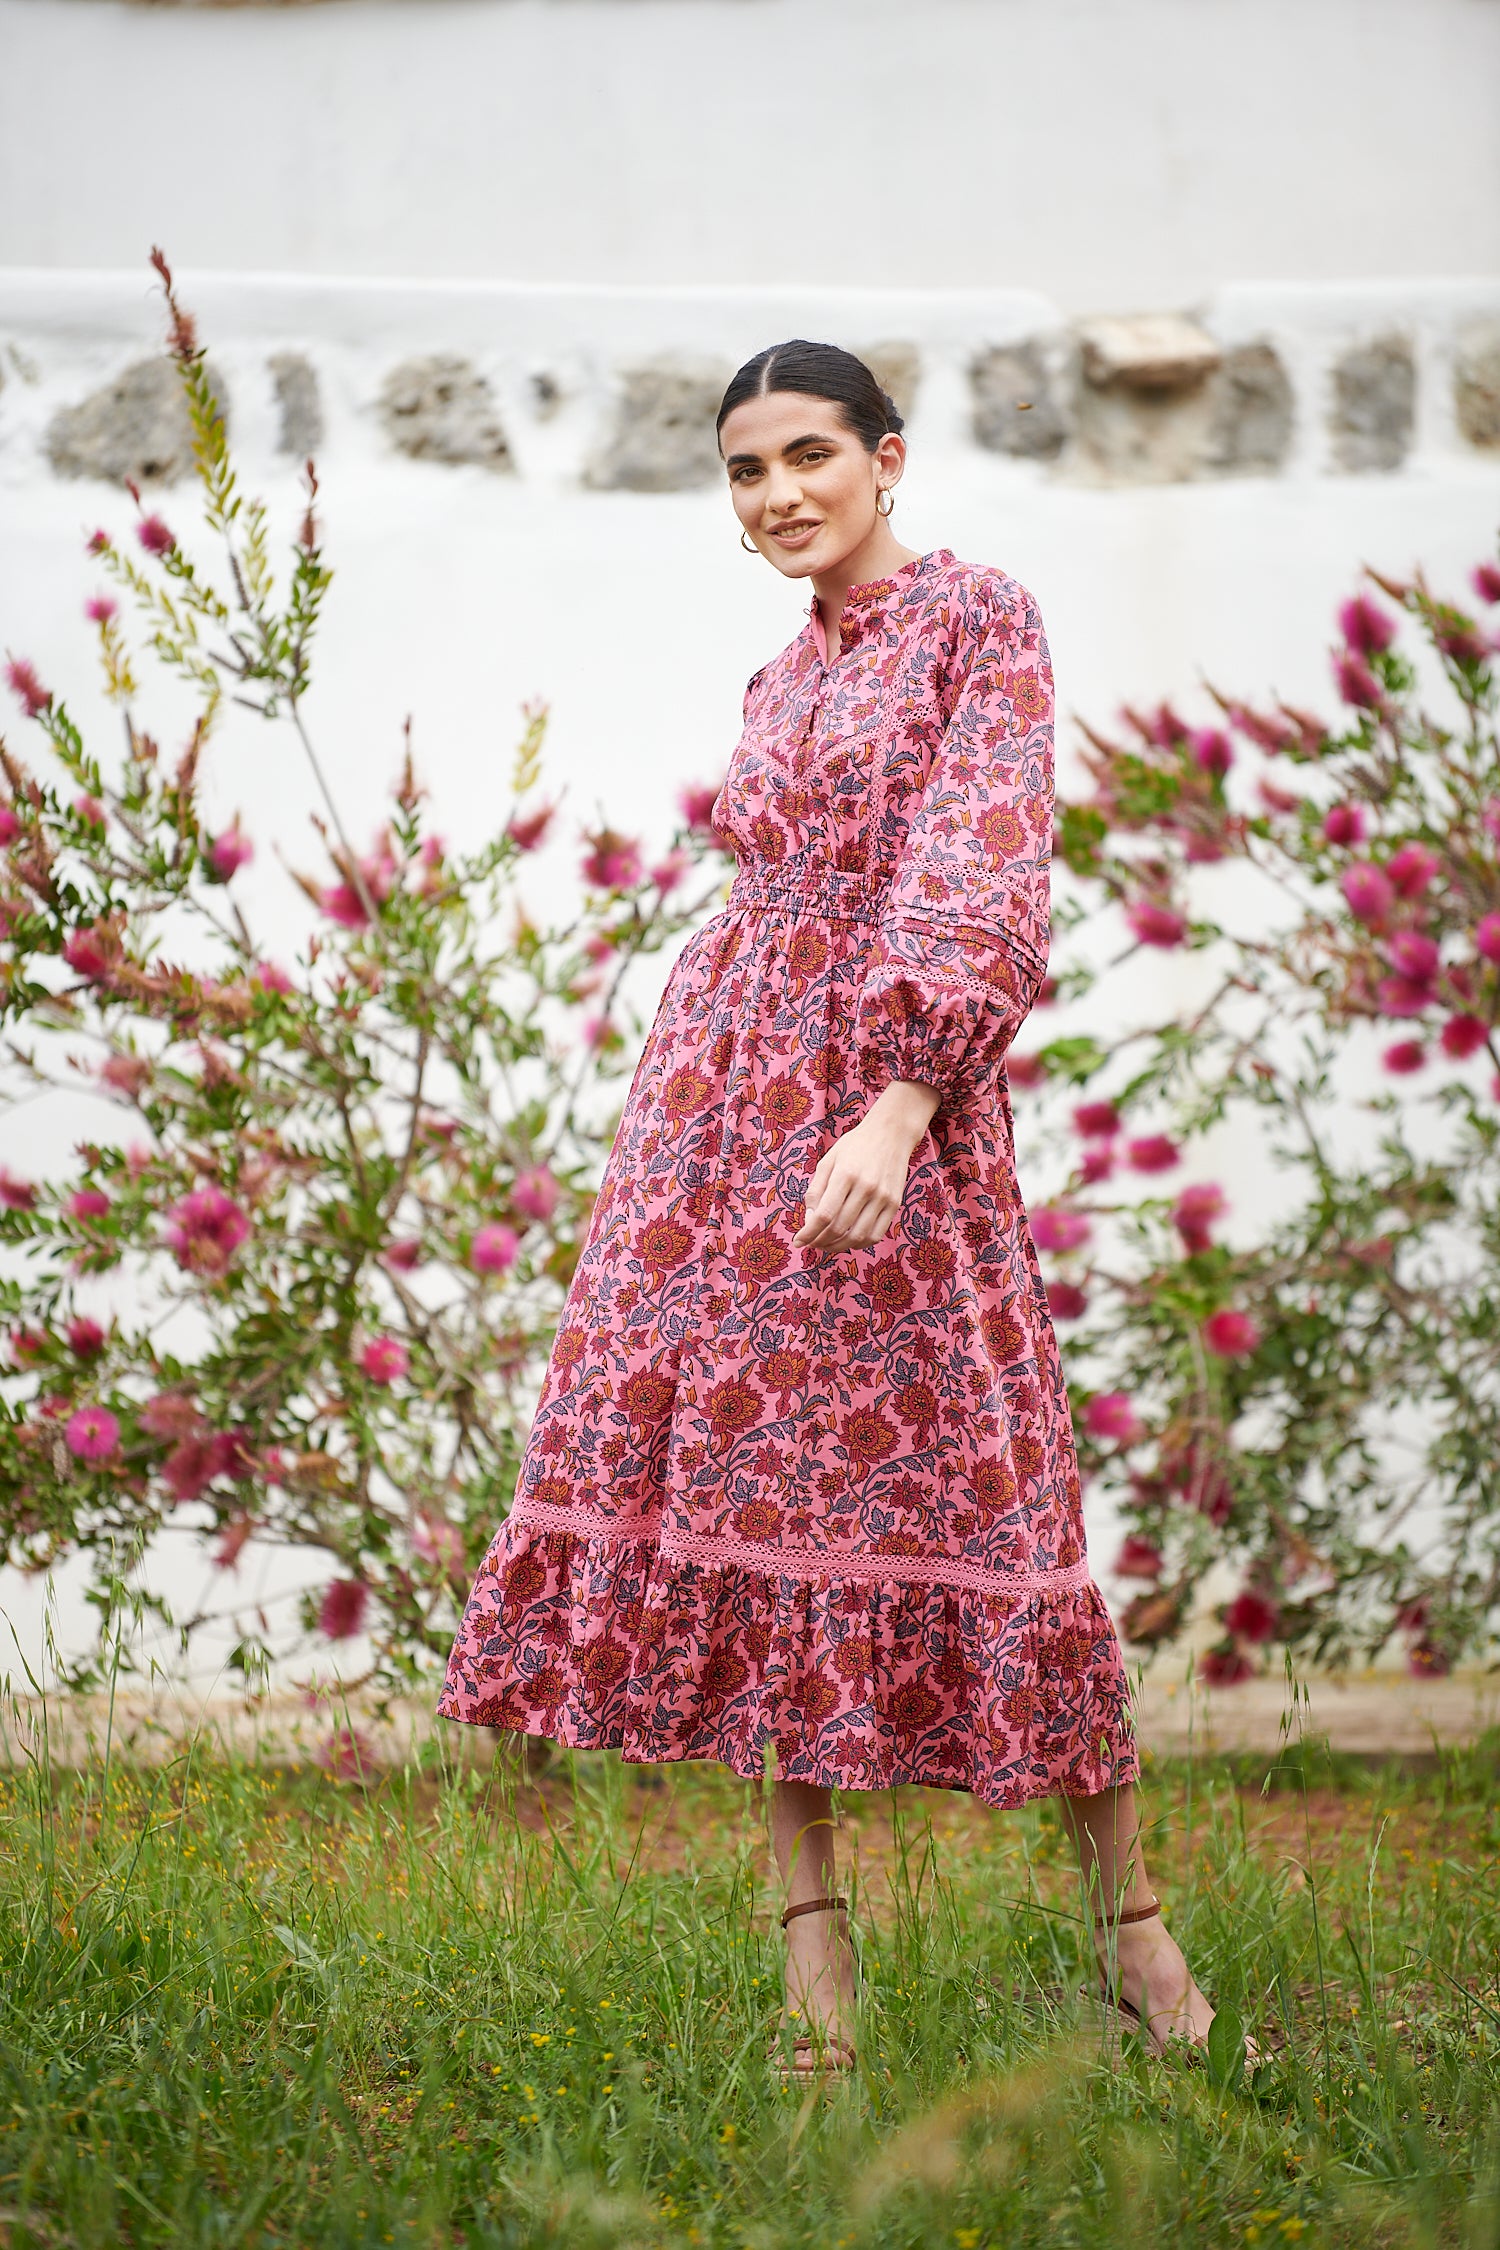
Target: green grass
243, 2005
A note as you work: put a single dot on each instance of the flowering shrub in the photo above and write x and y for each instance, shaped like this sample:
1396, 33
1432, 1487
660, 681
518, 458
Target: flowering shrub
305, 1286
1313, 1400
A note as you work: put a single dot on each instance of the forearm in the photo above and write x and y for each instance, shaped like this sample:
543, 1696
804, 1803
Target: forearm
905, 1107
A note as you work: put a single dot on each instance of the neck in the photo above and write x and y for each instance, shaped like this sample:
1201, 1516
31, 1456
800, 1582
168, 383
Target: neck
878, 556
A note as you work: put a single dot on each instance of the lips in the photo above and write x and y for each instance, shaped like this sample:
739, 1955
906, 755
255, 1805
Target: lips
795, 534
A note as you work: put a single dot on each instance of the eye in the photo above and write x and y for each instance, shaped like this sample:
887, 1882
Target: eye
746, 470
814, 453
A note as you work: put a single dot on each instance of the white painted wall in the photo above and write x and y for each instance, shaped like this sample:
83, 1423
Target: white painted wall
1112, 153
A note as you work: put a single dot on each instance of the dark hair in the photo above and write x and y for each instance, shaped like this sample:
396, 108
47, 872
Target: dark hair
821, 371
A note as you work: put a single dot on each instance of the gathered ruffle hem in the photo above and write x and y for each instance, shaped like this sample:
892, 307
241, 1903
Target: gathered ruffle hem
1008, 1685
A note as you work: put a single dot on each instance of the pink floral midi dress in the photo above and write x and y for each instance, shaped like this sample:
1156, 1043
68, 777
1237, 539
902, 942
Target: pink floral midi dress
826, 1504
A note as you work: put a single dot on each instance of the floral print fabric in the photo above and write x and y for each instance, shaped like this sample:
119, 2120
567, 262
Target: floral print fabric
826, 1504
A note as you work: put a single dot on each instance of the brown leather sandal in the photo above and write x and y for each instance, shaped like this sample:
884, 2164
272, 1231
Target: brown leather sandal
1130, 2015
825, 2054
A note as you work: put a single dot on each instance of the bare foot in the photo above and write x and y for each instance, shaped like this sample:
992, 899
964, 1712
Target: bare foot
819, 1988
1148, 1970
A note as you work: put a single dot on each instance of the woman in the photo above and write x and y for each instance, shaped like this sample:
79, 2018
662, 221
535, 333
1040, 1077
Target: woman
802, 1477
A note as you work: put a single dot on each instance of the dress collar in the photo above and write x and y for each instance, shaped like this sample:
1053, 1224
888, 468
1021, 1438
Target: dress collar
867, 606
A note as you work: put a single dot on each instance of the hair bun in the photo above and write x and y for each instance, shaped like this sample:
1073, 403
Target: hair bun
895, 420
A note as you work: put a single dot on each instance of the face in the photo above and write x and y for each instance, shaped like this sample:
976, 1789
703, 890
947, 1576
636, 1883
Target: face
803, 486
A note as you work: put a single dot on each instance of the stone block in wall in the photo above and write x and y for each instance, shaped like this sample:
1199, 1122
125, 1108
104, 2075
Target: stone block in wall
134, 428
1018, 406
897, 368
1374, 404
1145, 401
301, 406
663, 438
1476, 383
440, 408
1251, 414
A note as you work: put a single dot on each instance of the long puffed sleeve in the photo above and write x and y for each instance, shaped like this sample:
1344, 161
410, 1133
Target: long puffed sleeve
961, 948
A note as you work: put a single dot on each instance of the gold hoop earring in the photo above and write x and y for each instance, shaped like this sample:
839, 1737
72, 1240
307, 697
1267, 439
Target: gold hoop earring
885, 493
748, 545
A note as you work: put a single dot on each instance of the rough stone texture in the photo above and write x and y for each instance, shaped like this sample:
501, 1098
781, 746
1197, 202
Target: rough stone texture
1252, 413
297, 395
135, 427
663, 439
1476, 383
897, 368
1147, 352
1018, 408
440, 408
1374, 404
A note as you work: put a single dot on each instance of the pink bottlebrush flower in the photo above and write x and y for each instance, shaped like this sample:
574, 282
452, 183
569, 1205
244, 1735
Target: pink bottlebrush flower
612, 863
342, 903
347, 1755
1489, 818
404, 1254
99, 544
89, 809
341, 1613
25, 685
1225, 1667
1194, 1214
100, 608
535, 1193
154, 536
696, 804
1463, 1036
1201, 851
127, 1074
1111, 1415
1213, 752
1278, 800
1357, 684
1486, 582
669, 872
434, 1540
1053, 1228
190, 1468
1411, 869
205, 1230
493, 1248
231, 1541
1344, 824
1025, 1071
1366, 627
1367, 893
1415, 954
1097, 1163
10, 827
599, 1032
171, 1414
271, 977
28, 1344
1138, 1558
85, 1337
92, 1434
1066, 1301
1487, 937
1230, 1334
1425, 1661
1154, 1153
229, 852
1461, 643
1154, 924
1252, 1617
528, 832
1406, 1056
1404, 996
1096, 1121
88, 1203
1270, 734
599, 945
92, 952
385, 1359
16, 1195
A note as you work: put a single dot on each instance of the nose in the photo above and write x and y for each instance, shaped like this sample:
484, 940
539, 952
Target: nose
783, 492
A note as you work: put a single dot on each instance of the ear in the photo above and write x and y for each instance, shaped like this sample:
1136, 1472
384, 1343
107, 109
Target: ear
890, 457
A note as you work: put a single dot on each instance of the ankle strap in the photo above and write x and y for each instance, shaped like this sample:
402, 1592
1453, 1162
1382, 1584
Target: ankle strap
1129, 1914
815, 1906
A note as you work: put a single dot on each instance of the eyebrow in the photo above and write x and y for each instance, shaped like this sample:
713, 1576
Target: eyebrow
796, 445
